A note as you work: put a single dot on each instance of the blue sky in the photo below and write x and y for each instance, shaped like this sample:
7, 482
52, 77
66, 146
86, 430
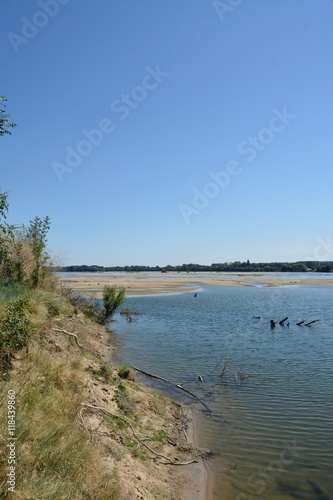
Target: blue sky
164, 132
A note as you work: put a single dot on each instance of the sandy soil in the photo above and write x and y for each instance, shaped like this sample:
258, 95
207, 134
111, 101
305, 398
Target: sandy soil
136, 284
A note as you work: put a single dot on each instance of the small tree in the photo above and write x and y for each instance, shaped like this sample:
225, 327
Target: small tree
112, 299
36, 233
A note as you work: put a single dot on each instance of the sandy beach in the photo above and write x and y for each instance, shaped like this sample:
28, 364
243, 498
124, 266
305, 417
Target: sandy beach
142, 284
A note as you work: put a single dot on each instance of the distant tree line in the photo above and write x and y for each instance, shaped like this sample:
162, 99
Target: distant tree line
242, 267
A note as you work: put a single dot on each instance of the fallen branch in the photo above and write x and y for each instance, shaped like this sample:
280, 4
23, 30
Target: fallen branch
115, 415
68, 333
311, 322
174, 385
226, 364
218, 364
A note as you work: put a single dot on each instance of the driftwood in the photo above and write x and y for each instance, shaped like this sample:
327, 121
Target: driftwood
68, 333
283, 320
104, 411
307, 324
311, 322
174, 385
226, 364
218, 364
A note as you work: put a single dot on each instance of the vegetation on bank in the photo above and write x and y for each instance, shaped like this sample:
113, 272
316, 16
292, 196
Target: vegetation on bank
57, 459
241, 267
83, 430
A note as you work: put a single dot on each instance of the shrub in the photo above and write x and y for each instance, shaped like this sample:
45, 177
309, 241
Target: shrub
81, 303
16, 328
112, 299
125, 372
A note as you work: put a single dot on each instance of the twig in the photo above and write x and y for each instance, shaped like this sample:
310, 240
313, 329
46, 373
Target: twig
115, 415
68, 333
174, 385
226, 364
218, 364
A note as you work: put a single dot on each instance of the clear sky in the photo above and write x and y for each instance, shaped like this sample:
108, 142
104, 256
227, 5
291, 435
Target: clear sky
166, 132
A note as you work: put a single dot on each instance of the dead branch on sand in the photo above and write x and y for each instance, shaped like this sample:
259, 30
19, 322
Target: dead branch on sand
68, 333
104, 411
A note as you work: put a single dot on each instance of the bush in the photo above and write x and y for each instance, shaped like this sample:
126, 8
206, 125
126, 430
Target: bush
112, 299
16, 329
125, 372
81, 303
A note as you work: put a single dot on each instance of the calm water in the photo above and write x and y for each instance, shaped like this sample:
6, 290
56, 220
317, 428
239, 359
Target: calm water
271, 431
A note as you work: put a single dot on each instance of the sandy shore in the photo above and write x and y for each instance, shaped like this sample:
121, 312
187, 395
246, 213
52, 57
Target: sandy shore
138, 284
201, 476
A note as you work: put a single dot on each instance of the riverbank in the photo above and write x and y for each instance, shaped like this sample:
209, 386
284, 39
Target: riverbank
145, 283
128, 442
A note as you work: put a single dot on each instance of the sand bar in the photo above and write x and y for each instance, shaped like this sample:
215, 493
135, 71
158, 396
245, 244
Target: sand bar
144, 284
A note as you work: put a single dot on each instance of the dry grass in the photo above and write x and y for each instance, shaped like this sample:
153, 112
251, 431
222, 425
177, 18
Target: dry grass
65, 454
56, 459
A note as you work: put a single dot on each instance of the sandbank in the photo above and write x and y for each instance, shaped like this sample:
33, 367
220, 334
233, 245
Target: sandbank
143, 284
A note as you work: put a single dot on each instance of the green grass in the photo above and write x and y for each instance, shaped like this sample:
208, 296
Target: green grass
160, 437
11, 291
136, 450
105, 371
124, 401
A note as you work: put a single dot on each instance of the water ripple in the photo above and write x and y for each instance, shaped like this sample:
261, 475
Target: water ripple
272, 426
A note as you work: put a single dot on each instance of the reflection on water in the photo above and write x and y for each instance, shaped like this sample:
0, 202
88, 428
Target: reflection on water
272, 427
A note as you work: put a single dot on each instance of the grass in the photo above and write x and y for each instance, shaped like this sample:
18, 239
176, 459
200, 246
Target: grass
124, 371
105, 371
124, 401
43, 305
136, 449
160, 437
115, 423
56, 458
11, 291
